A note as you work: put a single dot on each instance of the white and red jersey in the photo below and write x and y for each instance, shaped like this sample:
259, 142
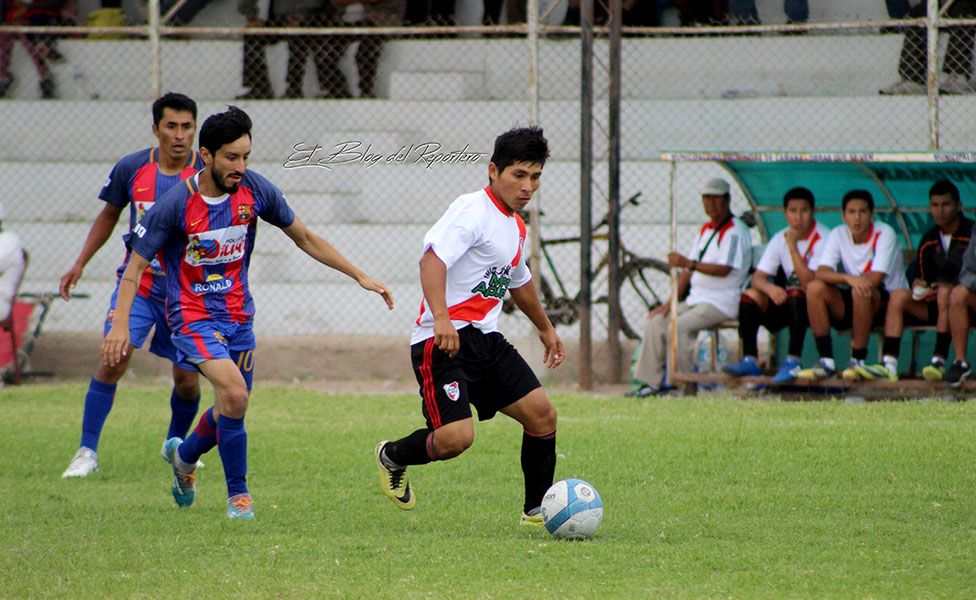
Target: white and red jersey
480, 240
881, 253
777, 255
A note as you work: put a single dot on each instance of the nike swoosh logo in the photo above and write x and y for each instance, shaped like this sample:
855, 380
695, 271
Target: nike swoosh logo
194, 223
139, 189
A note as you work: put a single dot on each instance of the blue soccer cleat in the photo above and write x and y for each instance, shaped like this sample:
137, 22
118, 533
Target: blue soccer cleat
747, 367
787, 372
184, 484
240, 507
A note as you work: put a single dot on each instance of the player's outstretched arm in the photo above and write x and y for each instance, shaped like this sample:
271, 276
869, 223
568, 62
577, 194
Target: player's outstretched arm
99, 233
315, 246
527, 300
433, 281
116, 342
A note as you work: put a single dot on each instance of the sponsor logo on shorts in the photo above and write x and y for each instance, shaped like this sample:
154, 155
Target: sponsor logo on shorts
453, 391
215, 284
220, 338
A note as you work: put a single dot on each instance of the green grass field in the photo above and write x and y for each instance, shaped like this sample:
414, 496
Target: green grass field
704, 498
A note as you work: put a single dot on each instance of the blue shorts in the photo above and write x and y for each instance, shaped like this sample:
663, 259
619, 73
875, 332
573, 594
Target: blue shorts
212, 340
145, 315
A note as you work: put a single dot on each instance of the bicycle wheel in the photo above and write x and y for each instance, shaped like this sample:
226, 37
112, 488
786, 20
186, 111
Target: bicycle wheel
645, 284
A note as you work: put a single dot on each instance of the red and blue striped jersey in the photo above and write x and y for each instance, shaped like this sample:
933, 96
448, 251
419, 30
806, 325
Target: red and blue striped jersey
206, 245
136, 182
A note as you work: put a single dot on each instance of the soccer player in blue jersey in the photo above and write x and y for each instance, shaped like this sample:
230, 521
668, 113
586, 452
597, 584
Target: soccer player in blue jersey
205, 231
135, 183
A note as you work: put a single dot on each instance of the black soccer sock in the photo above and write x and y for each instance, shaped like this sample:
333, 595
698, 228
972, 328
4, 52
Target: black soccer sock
825, 346
798, 324
942, 340
411, 450
749, 319
538, 466
891, 347
860, 354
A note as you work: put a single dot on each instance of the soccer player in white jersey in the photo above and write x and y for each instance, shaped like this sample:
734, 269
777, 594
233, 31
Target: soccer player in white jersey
777, 297
471, 257
855, 299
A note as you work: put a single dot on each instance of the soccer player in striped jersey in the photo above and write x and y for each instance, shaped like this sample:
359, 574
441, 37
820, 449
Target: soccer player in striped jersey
205, 231
135, 183
471, 257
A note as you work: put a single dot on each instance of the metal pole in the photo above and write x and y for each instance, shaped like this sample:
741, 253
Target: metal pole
613, 187
673, 315
932, 70
154, 53
586, 194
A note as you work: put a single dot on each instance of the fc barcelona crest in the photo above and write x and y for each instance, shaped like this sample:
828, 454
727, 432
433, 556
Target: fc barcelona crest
220, 338
245, 212
453, 391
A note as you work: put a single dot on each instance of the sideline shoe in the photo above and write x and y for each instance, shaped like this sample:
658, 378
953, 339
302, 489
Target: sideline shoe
165, 455
394, 482
957, 373
533, 518
240, 507
851, 373
83, 464
787, 372
903, 88
953, 83
935, 370
875, 373
747, 367
644, 391
184, 484
821, 370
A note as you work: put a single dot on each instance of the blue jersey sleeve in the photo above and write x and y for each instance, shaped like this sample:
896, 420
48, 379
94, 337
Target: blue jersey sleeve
269, 202
160, 223
117, 190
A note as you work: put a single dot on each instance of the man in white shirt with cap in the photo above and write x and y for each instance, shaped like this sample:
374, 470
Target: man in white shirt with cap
12, 264
708, 288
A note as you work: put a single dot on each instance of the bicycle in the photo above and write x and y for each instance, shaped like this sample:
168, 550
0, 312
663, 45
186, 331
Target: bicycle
638, 297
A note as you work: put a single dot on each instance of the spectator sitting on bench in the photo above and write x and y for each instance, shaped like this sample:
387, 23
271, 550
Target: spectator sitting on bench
777, 298
12, 264
962, 306
709, 288
939, 259
870, 255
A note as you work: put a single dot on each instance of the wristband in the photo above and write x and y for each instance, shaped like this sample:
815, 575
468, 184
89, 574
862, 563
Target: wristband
694, 265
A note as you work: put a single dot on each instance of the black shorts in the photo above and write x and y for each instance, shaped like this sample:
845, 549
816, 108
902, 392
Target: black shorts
487, 372
932, 318
778, 316
847, 321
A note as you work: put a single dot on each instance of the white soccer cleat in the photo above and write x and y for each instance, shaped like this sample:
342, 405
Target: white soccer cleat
83, 464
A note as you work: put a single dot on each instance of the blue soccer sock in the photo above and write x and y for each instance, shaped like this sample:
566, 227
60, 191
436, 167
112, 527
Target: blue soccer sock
98, 403
232, 445
201, 440
184, 411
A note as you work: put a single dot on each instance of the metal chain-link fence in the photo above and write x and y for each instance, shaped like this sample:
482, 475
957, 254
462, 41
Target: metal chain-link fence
371, 129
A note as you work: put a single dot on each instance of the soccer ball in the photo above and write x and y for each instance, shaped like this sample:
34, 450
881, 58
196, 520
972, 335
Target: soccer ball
572, 510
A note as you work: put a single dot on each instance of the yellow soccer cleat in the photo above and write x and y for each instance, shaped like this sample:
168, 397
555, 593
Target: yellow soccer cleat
934, 370
533, 518
394, 482
875, 373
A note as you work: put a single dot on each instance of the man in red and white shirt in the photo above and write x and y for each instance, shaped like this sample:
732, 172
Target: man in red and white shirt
711, 283
472, 256
777, 297
855, 299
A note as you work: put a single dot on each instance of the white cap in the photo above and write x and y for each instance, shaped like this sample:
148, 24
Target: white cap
715, 187
3, 212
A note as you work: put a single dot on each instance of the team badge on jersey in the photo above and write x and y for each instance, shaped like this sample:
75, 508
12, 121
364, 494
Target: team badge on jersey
245, 212
453, 391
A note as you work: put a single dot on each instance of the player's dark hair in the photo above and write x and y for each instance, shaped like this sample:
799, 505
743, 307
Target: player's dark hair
799, 193
173, 101
858, 195
224, 128
523, 144
943, 187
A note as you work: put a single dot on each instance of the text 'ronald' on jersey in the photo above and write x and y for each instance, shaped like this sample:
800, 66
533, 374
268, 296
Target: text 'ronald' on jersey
206, 245
136, 182
480, 240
